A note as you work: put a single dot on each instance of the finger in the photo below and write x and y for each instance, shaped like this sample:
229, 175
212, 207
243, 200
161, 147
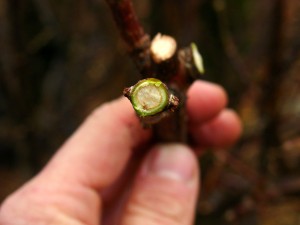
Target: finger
165, 190
205, 101
100, 148
222, 131
114, 196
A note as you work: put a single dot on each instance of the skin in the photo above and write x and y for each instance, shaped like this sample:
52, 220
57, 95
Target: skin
108, 172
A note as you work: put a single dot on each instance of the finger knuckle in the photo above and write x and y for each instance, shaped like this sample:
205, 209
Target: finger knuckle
155, 208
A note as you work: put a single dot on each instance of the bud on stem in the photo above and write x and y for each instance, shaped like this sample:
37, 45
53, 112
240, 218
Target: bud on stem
197, 58
151, 97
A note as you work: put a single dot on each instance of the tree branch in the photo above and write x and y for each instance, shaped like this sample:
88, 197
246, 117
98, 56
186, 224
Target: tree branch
137, 41
158, 59
271, 86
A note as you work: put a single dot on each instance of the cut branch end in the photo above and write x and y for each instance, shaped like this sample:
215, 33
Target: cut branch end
150, 97
163, 47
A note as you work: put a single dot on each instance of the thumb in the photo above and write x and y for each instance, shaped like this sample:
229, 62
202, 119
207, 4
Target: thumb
165, 189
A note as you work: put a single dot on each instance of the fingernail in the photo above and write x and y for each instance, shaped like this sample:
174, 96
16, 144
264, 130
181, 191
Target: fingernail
173, 161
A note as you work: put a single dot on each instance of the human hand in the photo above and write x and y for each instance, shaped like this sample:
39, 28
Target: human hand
109, 173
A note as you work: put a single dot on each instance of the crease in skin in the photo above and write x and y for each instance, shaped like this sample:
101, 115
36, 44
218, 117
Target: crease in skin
174, 210
56, 217
155, 208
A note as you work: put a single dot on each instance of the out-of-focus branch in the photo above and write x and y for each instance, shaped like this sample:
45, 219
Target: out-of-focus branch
9, 81
230, 47
271, 85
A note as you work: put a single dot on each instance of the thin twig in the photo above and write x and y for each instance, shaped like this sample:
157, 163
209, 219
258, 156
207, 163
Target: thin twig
138, 42
271, 85
230, 46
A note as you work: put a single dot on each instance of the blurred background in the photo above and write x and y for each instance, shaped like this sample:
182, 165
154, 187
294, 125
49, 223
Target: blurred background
59, 59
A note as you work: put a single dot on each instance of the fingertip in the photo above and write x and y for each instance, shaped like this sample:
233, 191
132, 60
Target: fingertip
174, 160
165, 190
221, 132
205, 101
232, 123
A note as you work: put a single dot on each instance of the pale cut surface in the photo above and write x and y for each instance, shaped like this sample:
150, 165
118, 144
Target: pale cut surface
163, 47
149, 97
197, 58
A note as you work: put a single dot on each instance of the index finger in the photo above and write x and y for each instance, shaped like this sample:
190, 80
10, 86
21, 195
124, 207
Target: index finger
98, 151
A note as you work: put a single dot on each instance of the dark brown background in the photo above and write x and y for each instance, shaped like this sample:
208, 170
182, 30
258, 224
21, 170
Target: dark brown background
59, 59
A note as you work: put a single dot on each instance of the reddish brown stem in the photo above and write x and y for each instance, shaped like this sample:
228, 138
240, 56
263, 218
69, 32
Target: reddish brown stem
138, 42
126, 19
